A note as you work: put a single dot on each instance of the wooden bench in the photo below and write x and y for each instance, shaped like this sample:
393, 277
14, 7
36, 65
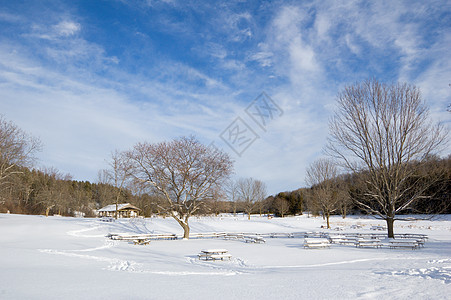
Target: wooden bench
342, 239
280, 235
419, 237
316, 243
214, 254
220, 256
148, 236
254, 239
404, 243
141, 241
207, 235
378, 227
162, 236
367, 243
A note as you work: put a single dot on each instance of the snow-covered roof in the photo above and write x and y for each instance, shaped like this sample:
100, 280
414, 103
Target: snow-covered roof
112, 207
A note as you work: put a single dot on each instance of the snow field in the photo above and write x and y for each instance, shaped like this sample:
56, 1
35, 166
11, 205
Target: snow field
57, 257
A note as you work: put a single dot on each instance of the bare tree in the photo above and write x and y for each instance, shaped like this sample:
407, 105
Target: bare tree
322, 175
118, 174
251, 192
282, 206
231, 189
183, 171
17, 149
383, 132
54, 194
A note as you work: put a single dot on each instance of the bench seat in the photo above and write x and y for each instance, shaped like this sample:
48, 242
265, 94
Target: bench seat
403, 243
254, 239
366, 243
206, 256
316, 243
141, 241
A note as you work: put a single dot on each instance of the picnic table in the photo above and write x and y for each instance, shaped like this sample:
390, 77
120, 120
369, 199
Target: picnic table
376, 243
214, 254
405, 243
316, 243
342, 239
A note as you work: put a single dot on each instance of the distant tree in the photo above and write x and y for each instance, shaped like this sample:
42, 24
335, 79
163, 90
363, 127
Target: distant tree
322, 175
183, 171
251, 192
282, 206
17, 149
54, 193
118, 174
296, 200
231, 189
217, 203
383, 133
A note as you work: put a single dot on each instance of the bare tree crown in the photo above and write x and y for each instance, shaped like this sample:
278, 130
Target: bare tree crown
17, 148
378, 125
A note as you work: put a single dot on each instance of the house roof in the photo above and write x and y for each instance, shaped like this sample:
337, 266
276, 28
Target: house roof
112, 207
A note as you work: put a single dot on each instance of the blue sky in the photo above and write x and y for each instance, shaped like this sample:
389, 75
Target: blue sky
89, 77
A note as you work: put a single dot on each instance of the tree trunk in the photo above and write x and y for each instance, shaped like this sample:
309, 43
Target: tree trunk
184, 223
390, 230
185, 230
327, 219
249, 216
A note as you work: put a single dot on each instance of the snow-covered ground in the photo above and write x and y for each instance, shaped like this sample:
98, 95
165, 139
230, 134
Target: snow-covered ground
70, 258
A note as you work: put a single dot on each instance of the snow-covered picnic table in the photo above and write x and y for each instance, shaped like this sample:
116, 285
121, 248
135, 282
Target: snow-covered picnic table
376, 243
316, 243
214, 254
405, 243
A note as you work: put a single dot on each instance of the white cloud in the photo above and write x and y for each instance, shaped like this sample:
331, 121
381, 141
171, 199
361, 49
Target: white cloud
60, 31
7, 17
66, 28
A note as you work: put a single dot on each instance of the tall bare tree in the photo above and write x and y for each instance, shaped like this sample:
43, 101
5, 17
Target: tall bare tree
118, 174
251, 192
17, 148
384, 133
322, 175
183, 171
231, 189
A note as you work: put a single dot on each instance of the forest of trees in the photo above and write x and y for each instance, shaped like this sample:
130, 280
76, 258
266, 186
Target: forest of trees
47, 191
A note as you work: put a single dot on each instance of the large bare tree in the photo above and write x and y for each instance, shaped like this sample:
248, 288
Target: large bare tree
17, 149
183, 171
251, 192
384, 133
322, 177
